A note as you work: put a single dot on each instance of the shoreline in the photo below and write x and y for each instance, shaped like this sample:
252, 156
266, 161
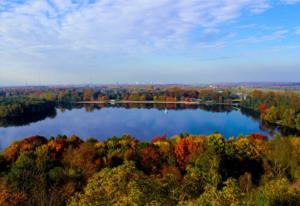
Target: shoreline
154, 102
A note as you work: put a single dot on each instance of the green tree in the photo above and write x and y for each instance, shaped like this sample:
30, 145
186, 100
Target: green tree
123, 185
230, 195
298, 121
288, 118
207, 168
281, 157
271, 115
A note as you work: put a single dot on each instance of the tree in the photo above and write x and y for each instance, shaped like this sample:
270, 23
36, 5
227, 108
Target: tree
258, 136
282, 158
185, 148
123, 185
87, 94
84, 158
270, 114
159, 139
26, 177
230, 195
288, 118
208, 167
61, 95
150, 159
12, 152
216, 142
278, 192
298, 121
263, 108
3, 163
9, 198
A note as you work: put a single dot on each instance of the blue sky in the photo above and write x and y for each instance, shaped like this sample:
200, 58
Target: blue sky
162, 41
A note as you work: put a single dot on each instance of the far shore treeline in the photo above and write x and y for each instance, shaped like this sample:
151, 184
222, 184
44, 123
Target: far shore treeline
181, 170
277, 107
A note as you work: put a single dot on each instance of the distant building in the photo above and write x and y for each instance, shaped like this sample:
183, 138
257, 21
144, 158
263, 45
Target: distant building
242, 95
196, 99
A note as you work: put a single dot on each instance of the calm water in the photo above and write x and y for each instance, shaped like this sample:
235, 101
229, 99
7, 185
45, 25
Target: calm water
142, 123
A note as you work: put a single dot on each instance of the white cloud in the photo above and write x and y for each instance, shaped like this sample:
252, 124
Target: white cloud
275, 35
113, 25
65, 36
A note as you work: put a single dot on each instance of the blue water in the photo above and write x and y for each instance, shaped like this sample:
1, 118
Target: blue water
143, 124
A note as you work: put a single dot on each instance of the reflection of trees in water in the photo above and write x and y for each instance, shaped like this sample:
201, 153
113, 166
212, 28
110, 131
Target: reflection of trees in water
29, 118
169, 106
250, 113
286, 131
271, 128
216, 108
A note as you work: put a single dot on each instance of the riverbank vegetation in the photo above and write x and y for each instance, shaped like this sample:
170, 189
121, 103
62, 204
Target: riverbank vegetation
181, 170
281, 108
20, 107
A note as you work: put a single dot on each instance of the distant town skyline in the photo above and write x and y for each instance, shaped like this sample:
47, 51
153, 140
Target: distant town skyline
44, 42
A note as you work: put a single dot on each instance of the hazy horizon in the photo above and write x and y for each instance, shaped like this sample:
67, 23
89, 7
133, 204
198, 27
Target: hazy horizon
249, 83
54, 42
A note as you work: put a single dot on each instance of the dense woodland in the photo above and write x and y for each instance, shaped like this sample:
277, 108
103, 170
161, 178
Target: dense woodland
16, 107
133, 93
281, 108
182, 170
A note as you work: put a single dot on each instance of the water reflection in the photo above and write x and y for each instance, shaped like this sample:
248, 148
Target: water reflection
273, 129
169, 106
27, 119
140, 120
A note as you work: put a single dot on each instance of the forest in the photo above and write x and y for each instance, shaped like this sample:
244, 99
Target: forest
20, 107
281, 108
180, 170
132, 93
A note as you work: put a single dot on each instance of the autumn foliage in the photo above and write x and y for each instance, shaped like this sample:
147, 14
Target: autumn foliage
150, 159
10, 198
185, 148
263, 108
257, 136
159, 139
30, 143
181, 170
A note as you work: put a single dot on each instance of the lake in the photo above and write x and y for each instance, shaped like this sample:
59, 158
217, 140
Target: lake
142, 121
